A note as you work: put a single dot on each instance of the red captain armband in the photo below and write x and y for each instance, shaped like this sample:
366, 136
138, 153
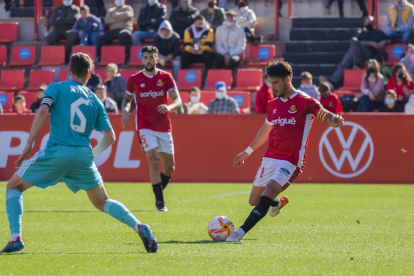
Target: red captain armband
323, 115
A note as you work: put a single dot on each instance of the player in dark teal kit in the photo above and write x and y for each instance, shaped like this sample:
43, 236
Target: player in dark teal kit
74, 112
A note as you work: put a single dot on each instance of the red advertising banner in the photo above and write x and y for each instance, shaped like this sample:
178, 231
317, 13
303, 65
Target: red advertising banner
369, 148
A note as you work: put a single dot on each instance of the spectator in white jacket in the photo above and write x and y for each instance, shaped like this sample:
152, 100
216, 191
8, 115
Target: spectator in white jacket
246, 18
230, 43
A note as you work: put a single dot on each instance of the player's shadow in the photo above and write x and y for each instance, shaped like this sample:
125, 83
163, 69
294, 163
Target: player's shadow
188, 242
91, 211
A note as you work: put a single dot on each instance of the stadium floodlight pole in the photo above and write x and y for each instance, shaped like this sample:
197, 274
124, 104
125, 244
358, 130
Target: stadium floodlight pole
277, 20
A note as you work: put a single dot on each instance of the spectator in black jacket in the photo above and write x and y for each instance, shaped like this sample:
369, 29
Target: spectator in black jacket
94, 80
149, 21
40, 94
183, 16
214, 15
168, 43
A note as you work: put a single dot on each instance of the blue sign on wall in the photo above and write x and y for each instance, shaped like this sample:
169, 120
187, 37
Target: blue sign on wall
190, 76
263, 53
68, 77
3, 100
397, 51
239, 99
140, 53
25, 53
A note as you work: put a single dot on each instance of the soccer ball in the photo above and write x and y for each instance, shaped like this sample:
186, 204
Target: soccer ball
219, 228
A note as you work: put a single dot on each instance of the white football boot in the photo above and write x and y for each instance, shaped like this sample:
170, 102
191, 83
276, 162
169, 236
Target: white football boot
274, 211
235, 237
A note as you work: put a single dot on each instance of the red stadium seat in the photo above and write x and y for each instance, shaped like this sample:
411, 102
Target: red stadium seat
52, 56
64, 75
3, 55
12, 80
30, 97
112, 54
7, 101
352, 80
23, 56
90, 50
260, 55
395, 51
126, 73
215, 75
249, 79
168, 71
9, 32
102, 73
187, 78
39, 77
136, 56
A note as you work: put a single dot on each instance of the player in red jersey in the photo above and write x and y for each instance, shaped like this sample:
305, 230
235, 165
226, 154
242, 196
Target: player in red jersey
149, 87
289, 120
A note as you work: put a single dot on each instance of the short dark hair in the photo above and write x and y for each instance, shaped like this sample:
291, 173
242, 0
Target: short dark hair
199, 17
19, 97
324, 87
247, 2
150, 49
279, 68
101, 87
391, 92
42, 88
80, 64
195, 89
85, 8
305, 76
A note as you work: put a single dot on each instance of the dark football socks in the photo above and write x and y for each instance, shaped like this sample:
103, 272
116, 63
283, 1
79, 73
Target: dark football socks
157, 188
257, 213
165, 180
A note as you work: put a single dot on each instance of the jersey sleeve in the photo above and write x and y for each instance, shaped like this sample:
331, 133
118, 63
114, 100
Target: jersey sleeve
317, 110
170, 82
51, 95
102, 122
130, 87
269, 114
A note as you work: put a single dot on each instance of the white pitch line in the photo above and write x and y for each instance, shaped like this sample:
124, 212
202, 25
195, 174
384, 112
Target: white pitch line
238, 193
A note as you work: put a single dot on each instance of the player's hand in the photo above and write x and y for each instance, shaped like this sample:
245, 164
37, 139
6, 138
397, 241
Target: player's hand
239, 160
126, 120
337, 121
26, 151
163, 109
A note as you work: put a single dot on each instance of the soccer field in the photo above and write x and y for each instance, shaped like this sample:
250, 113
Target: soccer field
324, 230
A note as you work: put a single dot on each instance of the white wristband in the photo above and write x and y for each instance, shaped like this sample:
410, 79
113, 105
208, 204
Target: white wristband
249, 150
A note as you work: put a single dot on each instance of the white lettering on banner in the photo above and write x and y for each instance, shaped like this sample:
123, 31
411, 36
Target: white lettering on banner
346, 153
123, 151
7, 150
284, 121
103, 157
152, 94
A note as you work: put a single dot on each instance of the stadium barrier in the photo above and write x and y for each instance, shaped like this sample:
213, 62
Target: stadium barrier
369, 148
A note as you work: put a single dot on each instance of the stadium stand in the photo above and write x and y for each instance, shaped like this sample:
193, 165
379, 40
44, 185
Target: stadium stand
39, 77
64, 75
9, 32
249, 79
12, 80
260, 55
215, 75
90, 50
188, 78
7, 101
136, 56
52, 56
30, 97
3, 55
126, 73
112, 54
352, 80
102, 73
23, 56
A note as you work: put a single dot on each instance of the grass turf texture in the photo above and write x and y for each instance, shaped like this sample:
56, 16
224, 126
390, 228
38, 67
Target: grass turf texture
324, 230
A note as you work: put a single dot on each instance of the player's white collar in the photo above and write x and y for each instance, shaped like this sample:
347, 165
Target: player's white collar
150, 76
291, 97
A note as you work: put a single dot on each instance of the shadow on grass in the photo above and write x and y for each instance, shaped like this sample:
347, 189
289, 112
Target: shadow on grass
191, 242
91, 211
70, 253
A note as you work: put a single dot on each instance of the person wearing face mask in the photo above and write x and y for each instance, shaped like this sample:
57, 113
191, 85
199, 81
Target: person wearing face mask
168, 43
40, 94
264, 95
400, 20
246, 18
390, 104
63, 18
408, 60
149, 20
223, 104
194, 106
230, 43
183, 16
198, 44
214, 15
307, 86
401, 83
20, 105
119, 20
372, 88
109, 104
366, 44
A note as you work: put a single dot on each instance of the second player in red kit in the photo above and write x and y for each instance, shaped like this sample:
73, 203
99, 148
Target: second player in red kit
150, 89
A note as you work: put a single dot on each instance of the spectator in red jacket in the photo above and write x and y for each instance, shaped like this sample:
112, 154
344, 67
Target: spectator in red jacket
401, 83
20, 105
329, 100
264, 95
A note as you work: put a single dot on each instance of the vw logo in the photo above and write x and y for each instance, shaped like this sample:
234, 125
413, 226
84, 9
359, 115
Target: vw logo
348, 148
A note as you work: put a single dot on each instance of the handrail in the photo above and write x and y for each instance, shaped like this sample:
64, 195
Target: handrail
37, 14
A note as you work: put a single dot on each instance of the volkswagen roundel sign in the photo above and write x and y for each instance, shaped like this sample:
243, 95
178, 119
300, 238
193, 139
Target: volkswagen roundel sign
347, 151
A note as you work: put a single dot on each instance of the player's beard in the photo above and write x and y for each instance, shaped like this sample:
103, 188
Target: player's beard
149, 69
282, 91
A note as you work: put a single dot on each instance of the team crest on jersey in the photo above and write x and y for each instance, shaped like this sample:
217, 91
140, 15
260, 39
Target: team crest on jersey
330, 104
159, 82
292, 109
146, 146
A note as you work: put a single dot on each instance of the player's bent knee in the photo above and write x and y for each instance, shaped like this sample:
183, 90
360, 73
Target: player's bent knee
170, 170
253, 202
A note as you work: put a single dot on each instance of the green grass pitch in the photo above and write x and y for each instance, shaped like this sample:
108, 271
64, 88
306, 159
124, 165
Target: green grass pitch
324, 230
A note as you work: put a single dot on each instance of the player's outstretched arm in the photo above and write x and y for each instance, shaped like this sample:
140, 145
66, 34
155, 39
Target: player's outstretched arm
260, 139
329, 118
126, 106
175, 96
37, 125
106, 141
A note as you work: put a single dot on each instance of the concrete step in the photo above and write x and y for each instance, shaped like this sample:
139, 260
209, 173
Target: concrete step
317, 46
315, 69
321, 34
327, 22
314, 58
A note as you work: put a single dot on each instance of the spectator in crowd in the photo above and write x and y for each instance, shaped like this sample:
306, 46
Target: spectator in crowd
94, 80
230, 43
183, 16
194, 106
361, 5
222, 104
149, 20
88, 27
400, 82
408, 60
367, 43
246, 18
63, 18
20, 105
409, 106
384, 70
119, 20
214, 15
110, 105
198, 44
264, 95
400, 20
168, 43
307, 86
390, 104
115, 83
372, 88
40, 94
329, 100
